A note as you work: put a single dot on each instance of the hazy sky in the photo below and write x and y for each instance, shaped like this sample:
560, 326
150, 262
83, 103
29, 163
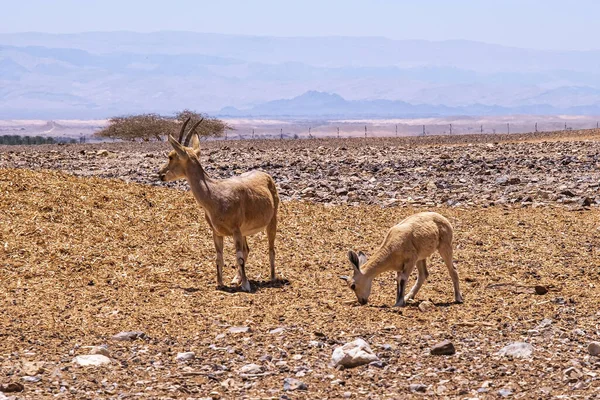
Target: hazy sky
542, 24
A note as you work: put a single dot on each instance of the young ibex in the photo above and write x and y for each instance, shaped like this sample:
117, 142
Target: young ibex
407, 244
239, 206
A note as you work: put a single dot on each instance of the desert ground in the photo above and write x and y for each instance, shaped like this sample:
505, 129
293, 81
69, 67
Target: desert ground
92, 245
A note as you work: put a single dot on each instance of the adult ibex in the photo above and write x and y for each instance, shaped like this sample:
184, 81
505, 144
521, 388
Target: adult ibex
239, 206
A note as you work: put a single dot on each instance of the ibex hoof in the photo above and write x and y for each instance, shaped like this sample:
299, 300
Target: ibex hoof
246, 287
400, 303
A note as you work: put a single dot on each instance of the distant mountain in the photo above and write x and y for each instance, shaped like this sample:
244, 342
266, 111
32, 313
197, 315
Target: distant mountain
100, 74
317, 104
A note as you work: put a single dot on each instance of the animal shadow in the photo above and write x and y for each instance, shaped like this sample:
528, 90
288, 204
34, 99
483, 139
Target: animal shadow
256, 285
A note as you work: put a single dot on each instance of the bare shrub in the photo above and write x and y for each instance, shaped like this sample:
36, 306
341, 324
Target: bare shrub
148, 127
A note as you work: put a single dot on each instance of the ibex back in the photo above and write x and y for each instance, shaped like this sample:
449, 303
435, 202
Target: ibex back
239, 206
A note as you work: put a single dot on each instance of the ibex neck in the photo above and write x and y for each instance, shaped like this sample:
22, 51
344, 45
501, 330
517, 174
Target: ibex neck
201, 184
379, 263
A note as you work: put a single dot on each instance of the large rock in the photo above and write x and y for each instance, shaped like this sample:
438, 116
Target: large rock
517, 350
91, 360
353, 354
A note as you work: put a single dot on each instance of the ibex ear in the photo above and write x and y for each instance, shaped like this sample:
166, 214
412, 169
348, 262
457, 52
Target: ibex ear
353, 257
362, 258
345, 278
177, 146
195, 142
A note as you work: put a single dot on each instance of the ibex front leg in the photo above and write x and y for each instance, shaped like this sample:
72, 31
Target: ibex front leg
219, 248
241, 254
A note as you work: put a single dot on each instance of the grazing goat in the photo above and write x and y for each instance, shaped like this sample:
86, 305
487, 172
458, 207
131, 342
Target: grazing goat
407, 244
239, 206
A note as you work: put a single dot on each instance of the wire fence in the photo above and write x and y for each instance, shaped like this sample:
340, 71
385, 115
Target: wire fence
343, 131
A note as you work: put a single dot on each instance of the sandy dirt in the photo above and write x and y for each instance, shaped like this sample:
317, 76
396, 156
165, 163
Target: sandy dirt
84, 258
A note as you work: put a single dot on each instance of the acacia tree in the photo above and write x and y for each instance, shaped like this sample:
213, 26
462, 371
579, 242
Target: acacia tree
155, 127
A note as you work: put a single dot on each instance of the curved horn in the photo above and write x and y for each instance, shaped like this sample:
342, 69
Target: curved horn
183, 129
189, 135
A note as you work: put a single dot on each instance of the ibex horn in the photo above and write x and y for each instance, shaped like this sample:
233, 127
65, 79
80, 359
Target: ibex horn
189, 135
183, 129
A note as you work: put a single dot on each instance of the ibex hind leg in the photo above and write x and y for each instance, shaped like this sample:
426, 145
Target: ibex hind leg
237, 280
421, 278
240, 254
271, 233
446, 253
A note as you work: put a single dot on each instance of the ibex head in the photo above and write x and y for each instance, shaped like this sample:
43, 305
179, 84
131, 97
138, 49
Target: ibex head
179, 157
359, 283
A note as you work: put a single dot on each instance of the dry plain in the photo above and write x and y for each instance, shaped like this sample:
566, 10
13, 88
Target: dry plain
91, 245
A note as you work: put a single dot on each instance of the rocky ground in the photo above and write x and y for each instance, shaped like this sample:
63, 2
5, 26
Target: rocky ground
476, 170
125, 271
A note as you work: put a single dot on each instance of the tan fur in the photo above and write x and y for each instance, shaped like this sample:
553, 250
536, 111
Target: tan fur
239, 206
405, 246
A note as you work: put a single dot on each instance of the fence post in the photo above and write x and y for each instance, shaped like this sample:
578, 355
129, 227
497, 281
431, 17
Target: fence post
365, 131
252, 134
565, 126
396, 129
451, 129
309, 135
536, 127
507, 127
338, 129
423, 130
281, 134
481, 128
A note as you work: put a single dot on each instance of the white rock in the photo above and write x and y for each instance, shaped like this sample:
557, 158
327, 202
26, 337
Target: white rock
239, 329
91, 360
186, 356
353, 354
517, 350
251, 369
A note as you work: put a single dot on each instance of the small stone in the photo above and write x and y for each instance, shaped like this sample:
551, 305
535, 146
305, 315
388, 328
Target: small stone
12, 387
417, 388
504, 392
353, 354
546, 322
426, 306
91, 360
377, 364
541, 290
103, 350
291, 384
239, 329
186, 356
276, 331
517, 350
32, 368
594, 348
251, 369
347, 395
31, 379
445, 348
129, 336
102, 153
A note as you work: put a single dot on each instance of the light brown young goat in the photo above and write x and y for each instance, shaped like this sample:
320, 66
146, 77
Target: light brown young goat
405, 246
239, 206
